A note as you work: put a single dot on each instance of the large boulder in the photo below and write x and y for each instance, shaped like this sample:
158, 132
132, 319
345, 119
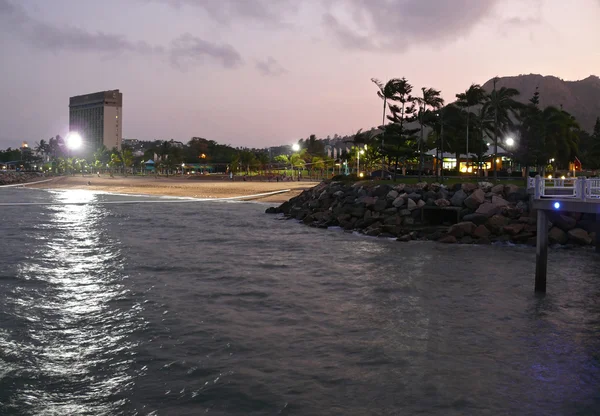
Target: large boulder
513, 229
498, 189
469, 186
369, 201
414, 196
421, 186
410, 204
475, 199
557, 236
496, 223
462, 228
400, 187
478, 219
380, 205
580, 236
404, 213
487, 208
485, 186
481, 232
499, 201
398, 202
448, 239
442, 202
458, 198
380, 191
565, 222
393, 194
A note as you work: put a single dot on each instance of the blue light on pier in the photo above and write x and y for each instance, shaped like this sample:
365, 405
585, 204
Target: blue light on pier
557, 205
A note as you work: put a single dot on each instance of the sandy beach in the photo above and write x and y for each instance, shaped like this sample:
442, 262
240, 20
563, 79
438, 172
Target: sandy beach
177, 186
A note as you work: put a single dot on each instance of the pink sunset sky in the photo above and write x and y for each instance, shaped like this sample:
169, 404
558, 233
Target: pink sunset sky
267, 72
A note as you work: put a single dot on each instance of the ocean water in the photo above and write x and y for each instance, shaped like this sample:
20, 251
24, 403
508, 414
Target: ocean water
216, 308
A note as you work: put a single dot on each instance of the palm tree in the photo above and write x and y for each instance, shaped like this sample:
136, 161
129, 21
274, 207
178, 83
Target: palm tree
42, 148
390, 91
561, 130
81, 163
127, 159
505, 109
474, 96
318, 164
430, 99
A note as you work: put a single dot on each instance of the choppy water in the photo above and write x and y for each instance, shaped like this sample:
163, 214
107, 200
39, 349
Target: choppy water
217, 308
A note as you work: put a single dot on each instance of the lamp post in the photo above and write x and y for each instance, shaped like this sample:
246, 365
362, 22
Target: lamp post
358, 153
182, 169
73, 141
295, 148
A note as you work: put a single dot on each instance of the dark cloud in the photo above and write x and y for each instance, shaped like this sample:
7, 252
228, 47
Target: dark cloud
270, 67
187, 50
182, 52
398, 24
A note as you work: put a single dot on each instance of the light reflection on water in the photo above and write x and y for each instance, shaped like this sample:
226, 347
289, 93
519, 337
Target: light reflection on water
218, 308
75, 344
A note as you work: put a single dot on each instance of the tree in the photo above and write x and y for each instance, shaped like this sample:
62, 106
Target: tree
313, 146
318, 164
101, 157
127, 159
455, 133
81, 164
42, 148
474, 96
590, 147
399, 142
393, 90
430, 98
505, 109
247, 158
114, 161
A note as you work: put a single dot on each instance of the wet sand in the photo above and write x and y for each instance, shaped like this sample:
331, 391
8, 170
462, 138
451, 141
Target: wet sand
219, 187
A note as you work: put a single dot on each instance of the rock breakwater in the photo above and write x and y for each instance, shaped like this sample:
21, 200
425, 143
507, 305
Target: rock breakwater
13, 178
466, 213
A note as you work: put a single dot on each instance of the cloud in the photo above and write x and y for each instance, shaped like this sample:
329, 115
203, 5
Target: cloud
270, 67
182, 52
224, 11
188, 49
398, 24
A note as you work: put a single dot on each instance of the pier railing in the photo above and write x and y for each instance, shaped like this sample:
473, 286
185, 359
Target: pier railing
580, 188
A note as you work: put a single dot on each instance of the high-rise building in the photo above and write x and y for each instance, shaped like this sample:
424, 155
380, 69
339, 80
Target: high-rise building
98, 118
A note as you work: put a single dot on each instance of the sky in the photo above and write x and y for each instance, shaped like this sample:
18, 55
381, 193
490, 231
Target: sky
260, 73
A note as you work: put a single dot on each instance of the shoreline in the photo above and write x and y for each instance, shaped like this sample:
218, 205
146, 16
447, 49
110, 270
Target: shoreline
178, 187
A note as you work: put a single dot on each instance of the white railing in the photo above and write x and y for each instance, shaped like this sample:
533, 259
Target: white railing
569, 188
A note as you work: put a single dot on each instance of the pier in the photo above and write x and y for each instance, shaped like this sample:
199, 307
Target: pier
560, 195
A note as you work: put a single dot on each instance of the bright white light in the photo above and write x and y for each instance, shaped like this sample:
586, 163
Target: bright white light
362, 152
556, 205
73, 141
510, 141
295, 147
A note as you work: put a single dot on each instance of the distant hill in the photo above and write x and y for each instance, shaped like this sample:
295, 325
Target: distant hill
580, 98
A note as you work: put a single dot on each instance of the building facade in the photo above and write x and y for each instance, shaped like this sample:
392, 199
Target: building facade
98, 118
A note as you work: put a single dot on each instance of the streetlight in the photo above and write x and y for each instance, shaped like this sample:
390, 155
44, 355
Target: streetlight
510, 142
295, 148
73, 140
358, 153
182, 168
